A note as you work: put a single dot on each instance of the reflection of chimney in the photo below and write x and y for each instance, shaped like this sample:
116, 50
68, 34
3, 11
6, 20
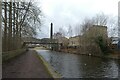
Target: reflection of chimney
51, 31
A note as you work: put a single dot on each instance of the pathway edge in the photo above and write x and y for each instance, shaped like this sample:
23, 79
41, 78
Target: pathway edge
49, 68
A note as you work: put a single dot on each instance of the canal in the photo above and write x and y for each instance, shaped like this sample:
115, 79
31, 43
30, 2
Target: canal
80, 66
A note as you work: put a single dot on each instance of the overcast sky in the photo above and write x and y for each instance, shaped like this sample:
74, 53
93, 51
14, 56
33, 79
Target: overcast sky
63, 13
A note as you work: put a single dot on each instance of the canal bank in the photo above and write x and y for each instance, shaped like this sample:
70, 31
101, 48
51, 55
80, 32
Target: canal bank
115, 56
49, 68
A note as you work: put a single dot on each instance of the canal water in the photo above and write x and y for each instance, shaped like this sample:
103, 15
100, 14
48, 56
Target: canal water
80, 66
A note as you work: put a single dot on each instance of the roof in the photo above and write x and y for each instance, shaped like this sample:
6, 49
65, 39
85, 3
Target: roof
115, 42
75, 36
99, 26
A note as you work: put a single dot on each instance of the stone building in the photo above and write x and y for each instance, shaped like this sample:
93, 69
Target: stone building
74, 41
96, 31
59, 38
89, 38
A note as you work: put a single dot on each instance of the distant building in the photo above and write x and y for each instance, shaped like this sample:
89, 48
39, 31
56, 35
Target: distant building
89, 37
114, 42
60, 39
57, 35
93, 33
74, 41
96, 31
88, 41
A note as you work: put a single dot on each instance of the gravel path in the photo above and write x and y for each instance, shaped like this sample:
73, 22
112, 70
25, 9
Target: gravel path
27, 65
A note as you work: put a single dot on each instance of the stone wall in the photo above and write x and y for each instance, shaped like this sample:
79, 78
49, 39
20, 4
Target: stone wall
11, 54
88, 40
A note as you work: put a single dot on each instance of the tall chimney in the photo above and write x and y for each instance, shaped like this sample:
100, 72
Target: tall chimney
51, 31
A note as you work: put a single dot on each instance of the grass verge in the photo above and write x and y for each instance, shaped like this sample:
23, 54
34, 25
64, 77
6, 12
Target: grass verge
49, 68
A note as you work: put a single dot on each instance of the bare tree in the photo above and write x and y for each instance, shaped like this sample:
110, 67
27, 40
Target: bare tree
31, 20
70, 32
19, 19
86, 24
10, 26
77, 30
113, 26
5, 27
0, 35
100, 19
62, 31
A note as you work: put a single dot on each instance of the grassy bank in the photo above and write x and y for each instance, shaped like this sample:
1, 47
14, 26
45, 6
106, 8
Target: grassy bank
108, 55
11, 54
49, 68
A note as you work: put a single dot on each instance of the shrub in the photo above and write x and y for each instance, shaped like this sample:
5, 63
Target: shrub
102, 44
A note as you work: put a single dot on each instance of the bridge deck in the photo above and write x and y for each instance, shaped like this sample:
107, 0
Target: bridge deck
41, 43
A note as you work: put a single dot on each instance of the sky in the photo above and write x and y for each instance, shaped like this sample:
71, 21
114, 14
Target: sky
63, 13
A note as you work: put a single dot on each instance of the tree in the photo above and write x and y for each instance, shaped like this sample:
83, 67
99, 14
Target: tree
77, 30
90, 39
86, 24
113, 26
31, 19
10, 27
62, 31
0, 34
102, 44
5, 26
70, 32
19, 19
100, 19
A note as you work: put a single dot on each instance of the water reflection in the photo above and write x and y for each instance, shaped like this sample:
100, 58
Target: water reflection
79, 66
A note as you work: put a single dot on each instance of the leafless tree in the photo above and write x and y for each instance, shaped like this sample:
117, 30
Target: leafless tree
70, 31
100, 19
77, 29
86, 24
62, 31
0, 33
19, 19
113, 26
